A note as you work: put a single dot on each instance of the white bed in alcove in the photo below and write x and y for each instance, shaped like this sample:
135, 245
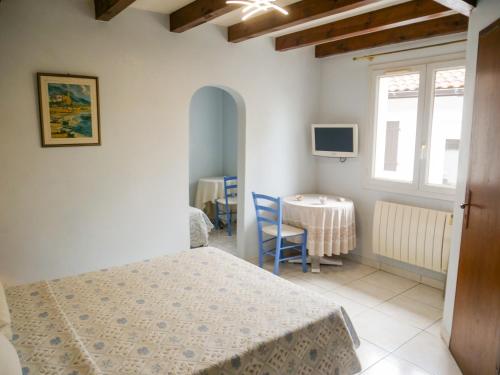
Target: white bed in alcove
199, 227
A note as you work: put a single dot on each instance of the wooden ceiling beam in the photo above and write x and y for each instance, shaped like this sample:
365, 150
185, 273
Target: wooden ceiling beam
298, 13
105, 10
383, 19
460, 6
437, 27
197, 13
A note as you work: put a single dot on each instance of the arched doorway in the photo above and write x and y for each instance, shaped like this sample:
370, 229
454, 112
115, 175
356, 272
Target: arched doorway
216, 149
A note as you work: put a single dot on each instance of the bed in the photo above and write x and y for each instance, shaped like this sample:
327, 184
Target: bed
202, 311
199, 227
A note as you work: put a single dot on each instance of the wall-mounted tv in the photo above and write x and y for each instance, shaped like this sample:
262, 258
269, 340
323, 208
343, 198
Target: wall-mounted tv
335, 140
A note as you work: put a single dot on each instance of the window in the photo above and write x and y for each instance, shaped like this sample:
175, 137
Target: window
445, 124
417, 121
396, 126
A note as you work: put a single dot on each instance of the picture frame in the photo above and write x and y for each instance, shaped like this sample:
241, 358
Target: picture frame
69, 110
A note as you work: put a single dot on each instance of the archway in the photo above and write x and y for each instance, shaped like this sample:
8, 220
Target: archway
216, 149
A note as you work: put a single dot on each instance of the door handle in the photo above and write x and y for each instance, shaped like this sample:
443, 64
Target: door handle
466, 207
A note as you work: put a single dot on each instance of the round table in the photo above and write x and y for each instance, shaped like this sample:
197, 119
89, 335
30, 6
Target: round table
331, 227
208, 190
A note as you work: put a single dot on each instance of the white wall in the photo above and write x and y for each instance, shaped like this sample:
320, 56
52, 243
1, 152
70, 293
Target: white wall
487, 11
345, 98
230, 135
205, 137
69, 210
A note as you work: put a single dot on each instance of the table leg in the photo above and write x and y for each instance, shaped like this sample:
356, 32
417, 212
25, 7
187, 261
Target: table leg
316, 261
315, 264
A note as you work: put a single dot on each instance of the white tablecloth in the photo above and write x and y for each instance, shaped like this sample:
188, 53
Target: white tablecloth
331, 227
208, 190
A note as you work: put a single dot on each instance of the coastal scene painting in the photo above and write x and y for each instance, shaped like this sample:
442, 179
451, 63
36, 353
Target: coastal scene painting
69, 110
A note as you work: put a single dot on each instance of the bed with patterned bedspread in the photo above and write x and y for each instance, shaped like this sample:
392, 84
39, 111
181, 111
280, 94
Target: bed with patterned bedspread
201, 311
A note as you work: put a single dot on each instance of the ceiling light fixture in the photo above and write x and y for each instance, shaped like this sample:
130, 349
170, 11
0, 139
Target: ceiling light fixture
252, 7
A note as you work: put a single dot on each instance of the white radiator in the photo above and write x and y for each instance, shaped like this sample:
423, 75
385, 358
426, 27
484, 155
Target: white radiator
413, 235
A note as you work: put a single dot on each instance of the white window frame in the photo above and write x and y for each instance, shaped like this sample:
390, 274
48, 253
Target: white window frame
426, 140
426, 68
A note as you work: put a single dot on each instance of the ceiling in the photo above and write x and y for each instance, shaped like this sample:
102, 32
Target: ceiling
160, 6
368, 23
169, 6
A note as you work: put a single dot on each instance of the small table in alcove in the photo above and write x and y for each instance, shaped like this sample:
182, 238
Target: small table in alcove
209, 189
331, 226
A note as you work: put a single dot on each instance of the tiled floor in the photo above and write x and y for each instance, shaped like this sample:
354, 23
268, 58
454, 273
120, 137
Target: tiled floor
220, 240
398, 320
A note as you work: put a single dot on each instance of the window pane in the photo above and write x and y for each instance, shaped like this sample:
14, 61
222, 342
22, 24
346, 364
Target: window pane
446, 124
396, 126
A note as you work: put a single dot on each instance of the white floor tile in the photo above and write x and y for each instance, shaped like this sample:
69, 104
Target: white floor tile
430, 353
353, 308
435, 329
339, 277
292, 276
392, 365
305, 284
350, 270
425, 294
285, 268
387, 281
220, 240
410, 311
329, 283
383, 330
348, 264
365, 293
369, 354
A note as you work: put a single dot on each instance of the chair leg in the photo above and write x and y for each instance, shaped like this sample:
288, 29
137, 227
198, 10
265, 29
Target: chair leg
277, 257
217, 215
228, 218
304, 251
261, 252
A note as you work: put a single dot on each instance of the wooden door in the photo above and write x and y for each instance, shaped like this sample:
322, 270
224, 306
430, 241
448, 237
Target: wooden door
475, 337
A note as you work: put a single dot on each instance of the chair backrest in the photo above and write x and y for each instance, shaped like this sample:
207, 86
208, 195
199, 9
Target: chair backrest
230, 186
268, 210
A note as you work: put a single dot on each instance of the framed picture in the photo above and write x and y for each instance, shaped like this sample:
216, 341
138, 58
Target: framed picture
69, 110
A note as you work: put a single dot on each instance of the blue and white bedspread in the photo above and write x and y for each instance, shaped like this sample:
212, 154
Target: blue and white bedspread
201, 311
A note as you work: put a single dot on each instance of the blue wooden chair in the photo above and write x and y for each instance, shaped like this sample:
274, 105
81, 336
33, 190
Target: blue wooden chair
229, 201
269, 222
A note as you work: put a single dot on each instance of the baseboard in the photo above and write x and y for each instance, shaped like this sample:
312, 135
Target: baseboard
445, 335
438, 284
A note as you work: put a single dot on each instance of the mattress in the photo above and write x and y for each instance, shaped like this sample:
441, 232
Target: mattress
199, 227
201, 311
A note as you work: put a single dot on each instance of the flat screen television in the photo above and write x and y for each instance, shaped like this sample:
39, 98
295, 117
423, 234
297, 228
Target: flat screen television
335, 140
